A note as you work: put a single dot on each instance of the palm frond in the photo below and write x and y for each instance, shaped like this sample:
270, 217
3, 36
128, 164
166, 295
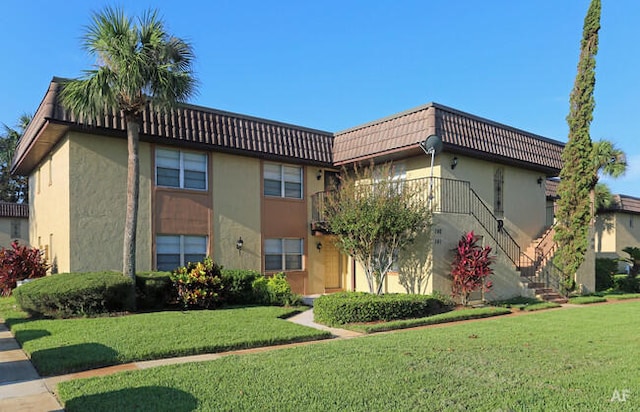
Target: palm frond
137, 62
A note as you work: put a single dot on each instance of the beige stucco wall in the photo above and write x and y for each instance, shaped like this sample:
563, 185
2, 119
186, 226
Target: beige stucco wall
524, 199
524, 216
236, 209
97, 206
315, 261
6, 226
49, 217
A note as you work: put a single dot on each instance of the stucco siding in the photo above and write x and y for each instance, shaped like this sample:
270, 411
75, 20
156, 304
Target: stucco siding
49, 197
236, 208
317, 261
98, 192
523, 198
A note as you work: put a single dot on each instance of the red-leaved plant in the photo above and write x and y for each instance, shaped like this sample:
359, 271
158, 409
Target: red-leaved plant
18, 263
471, 267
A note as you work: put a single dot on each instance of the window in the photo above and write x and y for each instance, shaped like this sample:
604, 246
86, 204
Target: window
15, 229
397, 176
173, 251
282, 254
175, 168
282, 181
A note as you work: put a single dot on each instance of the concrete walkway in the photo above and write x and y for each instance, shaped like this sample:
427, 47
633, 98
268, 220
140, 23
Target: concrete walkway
21, 388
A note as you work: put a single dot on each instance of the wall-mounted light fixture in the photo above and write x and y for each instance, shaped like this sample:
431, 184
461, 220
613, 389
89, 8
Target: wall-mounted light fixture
454, 162
319, 174
240, 244
540, 180
319, 246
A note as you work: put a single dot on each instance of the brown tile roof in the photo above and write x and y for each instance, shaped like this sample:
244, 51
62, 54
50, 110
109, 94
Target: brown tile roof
623, 203
19, 210
187, 125
460, 132
217, 130
551, 188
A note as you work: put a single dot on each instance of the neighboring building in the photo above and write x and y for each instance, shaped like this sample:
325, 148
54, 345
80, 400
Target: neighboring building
617, 228
209, 179
14, 223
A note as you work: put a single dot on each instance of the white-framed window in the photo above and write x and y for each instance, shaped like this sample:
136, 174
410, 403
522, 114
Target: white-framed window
398, 175
282, 181
173, 251
185, 170
282, 254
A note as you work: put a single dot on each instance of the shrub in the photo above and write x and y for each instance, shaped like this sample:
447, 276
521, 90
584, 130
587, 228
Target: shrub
605, 269
626, 283
76, 294
352, 307
238, 286
199, 284
154, 290
274, 290
470, 268
19, 263
280, 291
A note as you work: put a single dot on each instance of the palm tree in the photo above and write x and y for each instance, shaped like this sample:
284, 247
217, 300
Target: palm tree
12, 188
607, 160
138, 63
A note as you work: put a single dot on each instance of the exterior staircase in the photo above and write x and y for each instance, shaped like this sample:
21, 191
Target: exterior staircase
538, 271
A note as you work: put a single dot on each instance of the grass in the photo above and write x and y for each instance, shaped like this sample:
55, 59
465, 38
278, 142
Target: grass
586, 300
557, 360
67, 345
541, 306
454, 316
621, 296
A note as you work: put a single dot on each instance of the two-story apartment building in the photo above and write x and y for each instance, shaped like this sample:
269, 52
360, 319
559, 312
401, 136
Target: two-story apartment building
245, 190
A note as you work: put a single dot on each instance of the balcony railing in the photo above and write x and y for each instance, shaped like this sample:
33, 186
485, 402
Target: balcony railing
446, 196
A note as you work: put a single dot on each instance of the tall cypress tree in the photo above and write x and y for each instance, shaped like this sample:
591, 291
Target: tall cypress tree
574, 205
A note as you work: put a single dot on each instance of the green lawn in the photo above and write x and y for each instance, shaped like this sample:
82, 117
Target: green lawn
62, 346
564, 360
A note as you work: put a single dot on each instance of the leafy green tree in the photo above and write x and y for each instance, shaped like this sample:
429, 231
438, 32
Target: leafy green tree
375, 217
13, 189
138, 63
576, 177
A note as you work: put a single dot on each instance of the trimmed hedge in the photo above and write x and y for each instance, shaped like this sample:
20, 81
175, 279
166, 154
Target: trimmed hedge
154, 290
76, 294
355, 307
238, 286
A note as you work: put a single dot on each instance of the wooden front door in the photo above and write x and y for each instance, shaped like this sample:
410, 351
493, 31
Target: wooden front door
332, 266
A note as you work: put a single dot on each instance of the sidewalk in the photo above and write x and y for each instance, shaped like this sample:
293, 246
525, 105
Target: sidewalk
21, 388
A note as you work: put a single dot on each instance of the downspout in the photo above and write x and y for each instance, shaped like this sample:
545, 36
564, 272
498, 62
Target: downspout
353, 275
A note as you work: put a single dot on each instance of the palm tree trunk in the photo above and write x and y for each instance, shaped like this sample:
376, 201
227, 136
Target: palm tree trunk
133, 189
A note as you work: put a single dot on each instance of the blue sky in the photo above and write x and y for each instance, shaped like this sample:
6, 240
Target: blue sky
334, 64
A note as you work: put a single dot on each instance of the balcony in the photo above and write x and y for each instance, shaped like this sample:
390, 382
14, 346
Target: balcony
446, 196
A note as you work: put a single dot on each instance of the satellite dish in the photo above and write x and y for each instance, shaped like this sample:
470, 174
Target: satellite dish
432, 144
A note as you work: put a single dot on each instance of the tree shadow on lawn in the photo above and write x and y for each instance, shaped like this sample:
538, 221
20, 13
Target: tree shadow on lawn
73, 358
148, 398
